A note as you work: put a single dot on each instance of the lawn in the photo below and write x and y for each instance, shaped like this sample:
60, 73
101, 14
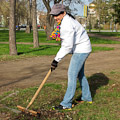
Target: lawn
29, 51
96, 40
21, 36
105, 92
116, 34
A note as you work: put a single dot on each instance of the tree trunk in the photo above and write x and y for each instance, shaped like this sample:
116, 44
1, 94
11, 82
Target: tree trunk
49, 19
99, 24
29, 24
49, 26
12, 31
34, 24
89, 22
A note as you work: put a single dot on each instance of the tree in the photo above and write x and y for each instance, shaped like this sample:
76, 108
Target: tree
42, 18
102, 12
4, 11
34, 24
12, 36
99, 5
116, 14
49, 18
116, 7
29, 21
21, 12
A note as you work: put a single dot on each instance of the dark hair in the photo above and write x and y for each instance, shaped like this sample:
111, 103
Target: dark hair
59, 13
67, 13
71, 15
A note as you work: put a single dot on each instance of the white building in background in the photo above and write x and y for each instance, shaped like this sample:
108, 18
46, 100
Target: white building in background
41, 18
38, 15
1, 21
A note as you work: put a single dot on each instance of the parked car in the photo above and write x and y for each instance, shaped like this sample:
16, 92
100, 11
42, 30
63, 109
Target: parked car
23, 26
38, 26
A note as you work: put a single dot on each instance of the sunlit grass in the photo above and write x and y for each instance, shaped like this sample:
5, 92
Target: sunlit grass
116, 34
21, 36
96, 40
28, 51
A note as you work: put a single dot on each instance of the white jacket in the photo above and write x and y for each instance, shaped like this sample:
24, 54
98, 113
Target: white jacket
74, 38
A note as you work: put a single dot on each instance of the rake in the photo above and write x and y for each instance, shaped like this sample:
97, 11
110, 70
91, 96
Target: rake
32, 112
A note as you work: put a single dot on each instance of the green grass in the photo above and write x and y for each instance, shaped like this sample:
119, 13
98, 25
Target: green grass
105, 93
116, 34
21, 36
96, 49
95, 40
28, 51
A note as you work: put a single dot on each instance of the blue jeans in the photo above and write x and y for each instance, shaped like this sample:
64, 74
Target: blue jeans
76, 69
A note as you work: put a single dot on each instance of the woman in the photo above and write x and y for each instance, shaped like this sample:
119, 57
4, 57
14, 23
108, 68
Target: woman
74, 39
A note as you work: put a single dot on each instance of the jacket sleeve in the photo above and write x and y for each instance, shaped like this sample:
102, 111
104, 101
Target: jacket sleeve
67, 39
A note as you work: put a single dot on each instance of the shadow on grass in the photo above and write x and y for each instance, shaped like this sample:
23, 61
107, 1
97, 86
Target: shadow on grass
96, 81
36, 49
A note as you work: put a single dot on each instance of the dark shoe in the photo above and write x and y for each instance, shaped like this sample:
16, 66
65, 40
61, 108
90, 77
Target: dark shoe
60, 107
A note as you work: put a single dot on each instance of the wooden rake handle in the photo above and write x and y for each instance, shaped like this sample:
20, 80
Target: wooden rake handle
38, 90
